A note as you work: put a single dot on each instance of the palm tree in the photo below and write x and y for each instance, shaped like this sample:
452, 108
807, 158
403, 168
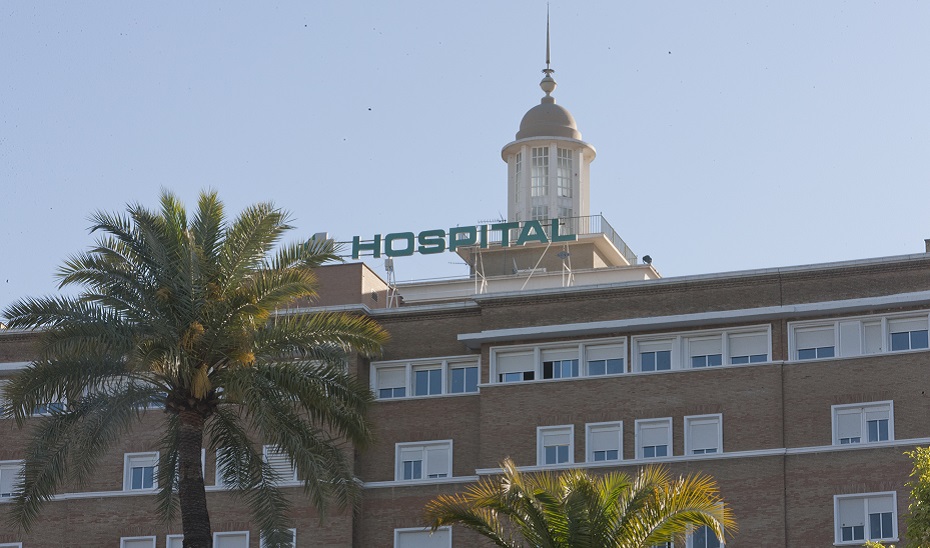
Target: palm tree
181, 313
576, 510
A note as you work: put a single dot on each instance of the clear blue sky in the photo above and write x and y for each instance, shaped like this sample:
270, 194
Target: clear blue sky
730, 135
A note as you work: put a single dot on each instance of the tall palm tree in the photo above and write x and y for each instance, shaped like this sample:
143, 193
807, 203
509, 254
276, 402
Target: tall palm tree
576, 510
181, 313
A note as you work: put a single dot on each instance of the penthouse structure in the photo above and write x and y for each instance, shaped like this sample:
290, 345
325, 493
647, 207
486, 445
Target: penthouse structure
798, 388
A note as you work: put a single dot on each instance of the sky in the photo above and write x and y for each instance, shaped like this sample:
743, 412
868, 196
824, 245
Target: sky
730, 135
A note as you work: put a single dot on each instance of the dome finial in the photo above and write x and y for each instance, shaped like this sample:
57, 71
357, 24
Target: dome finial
548, 83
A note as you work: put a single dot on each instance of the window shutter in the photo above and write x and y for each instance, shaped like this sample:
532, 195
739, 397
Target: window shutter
560, 354
395, 377
878, 505
872, 333
511, 363
556, 438
815, 339
7, 480
704, 347
437, 461
910, 324
703, 435
850, 339
422, 539
848, 424
608, 352
604, 439
232, 541
654, 346
748, 345
279, 461
851, 512
411, 454
654, 435
877, 413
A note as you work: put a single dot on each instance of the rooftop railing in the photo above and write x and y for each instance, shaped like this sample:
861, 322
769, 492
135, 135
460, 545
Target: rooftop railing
581, 226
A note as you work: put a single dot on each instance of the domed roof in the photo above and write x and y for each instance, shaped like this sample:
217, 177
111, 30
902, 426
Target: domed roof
548, 119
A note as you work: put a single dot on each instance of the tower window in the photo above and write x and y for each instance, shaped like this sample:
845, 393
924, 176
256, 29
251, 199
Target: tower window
564, 172
517, 172
540, 171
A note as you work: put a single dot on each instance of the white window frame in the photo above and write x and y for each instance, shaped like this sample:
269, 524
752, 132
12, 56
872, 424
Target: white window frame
169, 538
690, 541
445, 364
423, 446
400, 531
857, 328
13, 468
835, 410
690, 420
221, 534
679, 346
542, 431
11, 545
579, 349
132, 459
285, 478
837, 526
613, 427
123, 540
293, 531
641, 423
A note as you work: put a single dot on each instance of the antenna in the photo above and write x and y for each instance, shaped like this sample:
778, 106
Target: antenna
547, 70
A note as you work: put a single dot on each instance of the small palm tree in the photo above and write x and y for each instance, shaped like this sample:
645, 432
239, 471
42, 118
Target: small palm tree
180, 313
576, 510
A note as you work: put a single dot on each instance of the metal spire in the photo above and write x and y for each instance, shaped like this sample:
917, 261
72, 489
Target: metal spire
547, 70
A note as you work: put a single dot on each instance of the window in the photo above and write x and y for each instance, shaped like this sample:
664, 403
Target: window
280, 463
870, 516
539, 213
463, 379
539, 171
703, 537
863, 423
604, 441
48, 408
705, 351
703, 434
605, 359
858, 336
555, 445
517, 173
560, 363
419, 537
427, 380
10, 471
293, 542
137, 542
563, 172
174, 541
653, 438
515, 367
908, 333
423, 460
427, 377
11, 545
655, 355
392, 382
815, 343
748, 348
237, 539
139, 471
558, 360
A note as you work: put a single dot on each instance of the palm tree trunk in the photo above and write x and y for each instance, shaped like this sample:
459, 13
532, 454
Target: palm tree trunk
195, 520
